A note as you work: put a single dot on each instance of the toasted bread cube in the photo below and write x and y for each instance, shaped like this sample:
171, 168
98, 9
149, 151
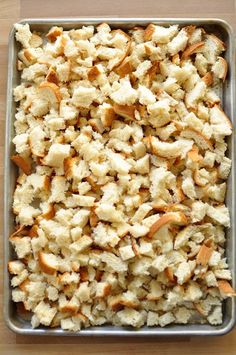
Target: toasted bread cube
83, 292
81, 244
23, 34
183, 273
126, 252
45, 313
124, 94
216, 317
21, 245
102, 289
166, 319
15, 267
130, 316
48, 263
83, 97
18, 295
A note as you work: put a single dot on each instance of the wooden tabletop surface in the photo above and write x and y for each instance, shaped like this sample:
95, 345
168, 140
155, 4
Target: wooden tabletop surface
10, 12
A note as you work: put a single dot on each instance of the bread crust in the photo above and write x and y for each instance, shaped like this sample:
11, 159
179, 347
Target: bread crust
22, 163
178, 218
125, 111
45, 265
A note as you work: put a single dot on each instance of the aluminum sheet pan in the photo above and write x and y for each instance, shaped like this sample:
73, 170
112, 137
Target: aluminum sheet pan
227, 93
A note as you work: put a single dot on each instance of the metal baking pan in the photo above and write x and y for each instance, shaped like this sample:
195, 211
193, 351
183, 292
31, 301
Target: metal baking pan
227, 93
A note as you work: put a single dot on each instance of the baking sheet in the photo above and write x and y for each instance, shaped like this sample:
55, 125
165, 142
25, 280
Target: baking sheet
227, 93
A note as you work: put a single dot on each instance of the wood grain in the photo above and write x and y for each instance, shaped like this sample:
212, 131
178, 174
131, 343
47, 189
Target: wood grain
10, 12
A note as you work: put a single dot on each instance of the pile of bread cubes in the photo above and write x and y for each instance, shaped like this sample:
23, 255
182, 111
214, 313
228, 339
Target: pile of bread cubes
119, 201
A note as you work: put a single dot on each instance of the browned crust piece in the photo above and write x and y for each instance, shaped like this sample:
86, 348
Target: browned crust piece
179, 125
148, 50
20, 230
23, 285
170, 274
201, 141
106, 291
194, 155
83, 271
148, 32
52, 76
124, 68
10, 266
94, 186
68, 164
225, 66
29, 56
135, 247
53, 33
96, 125
49, 214
75, 266
126, 53
204, 255
217, 41
99, 274
70, 289
33, 232
93, 218
120, 302
22, 163
141, 109
93, 73
189, 29
109, 117
34, 152
19, 65
153, 71
178, 218
69, 308
125, 111
47, 183
54, 89
208, 79
44, 265
81, 316
226, 288
176, 59
179, 191
194, 48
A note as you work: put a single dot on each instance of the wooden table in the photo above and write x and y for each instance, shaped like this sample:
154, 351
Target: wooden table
10, 12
